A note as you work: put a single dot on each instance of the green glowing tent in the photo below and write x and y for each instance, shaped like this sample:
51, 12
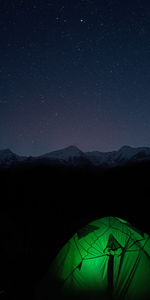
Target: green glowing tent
107, 259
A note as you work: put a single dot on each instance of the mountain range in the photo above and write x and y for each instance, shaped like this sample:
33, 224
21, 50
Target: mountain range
73, 156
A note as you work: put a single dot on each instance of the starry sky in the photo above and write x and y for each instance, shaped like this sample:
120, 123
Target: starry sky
74, 72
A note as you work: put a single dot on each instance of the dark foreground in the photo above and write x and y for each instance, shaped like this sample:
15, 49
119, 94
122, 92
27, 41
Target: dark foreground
42, 207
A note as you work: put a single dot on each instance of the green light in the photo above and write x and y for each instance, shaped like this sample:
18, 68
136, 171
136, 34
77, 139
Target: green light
109, 257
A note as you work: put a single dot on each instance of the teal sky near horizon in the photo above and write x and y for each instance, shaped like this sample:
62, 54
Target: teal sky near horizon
74, 73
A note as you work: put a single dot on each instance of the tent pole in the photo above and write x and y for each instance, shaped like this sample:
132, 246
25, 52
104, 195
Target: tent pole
110, 276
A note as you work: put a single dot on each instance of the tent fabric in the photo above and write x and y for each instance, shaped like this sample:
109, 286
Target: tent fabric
108, 256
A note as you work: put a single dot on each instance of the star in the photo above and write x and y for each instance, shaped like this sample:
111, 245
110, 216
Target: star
82, 21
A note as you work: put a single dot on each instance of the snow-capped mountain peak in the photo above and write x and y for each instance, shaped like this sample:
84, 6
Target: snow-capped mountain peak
65, 154
125, 148
127, 153
6, 151
7, 157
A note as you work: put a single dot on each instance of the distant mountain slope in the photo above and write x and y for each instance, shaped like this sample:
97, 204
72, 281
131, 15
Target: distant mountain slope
7, 157
72, 156
122, 156
65, 153
68, 156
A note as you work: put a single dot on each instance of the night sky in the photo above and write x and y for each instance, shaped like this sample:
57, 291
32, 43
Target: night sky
74, 72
